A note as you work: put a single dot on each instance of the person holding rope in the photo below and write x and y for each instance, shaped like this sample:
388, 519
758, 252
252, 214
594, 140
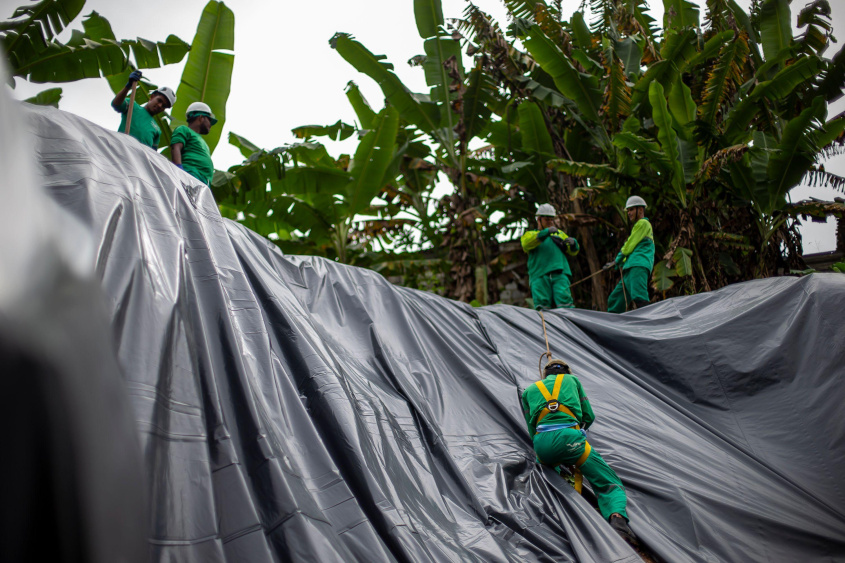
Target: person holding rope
558, 414
142, 122
635, 259
548, 266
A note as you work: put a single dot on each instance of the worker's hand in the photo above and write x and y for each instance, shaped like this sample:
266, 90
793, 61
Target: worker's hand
609, 266
180, 167
552, 230
134, 76
570, 242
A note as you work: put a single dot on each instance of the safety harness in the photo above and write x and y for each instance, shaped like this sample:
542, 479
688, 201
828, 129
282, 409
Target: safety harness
553, 405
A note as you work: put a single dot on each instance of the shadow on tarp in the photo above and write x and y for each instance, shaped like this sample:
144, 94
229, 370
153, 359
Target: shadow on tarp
292, 408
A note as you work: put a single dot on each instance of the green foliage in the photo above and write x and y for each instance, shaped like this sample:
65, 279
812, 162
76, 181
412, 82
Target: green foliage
577, 86
338, 132
775, 27
35, 54
49, 97
207, 76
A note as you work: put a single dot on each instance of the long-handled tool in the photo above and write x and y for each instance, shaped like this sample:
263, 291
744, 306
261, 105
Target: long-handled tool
594, 274
131, 107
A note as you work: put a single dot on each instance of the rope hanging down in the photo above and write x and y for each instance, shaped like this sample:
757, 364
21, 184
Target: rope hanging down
548, 352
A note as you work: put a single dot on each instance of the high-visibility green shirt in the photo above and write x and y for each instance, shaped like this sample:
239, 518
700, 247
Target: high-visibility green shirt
638, 250
571, 395
544, 256
144, 126
196, 157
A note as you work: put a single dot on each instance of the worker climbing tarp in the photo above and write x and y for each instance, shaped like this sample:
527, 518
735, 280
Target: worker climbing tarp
293, 408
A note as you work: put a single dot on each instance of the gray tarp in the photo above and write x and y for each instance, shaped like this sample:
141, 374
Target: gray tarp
292, 408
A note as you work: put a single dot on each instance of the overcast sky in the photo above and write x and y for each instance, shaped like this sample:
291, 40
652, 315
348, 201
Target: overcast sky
286, 74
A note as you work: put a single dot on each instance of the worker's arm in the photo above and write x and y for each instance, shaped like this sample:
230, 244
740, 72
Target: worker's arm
587, 416
640, 231
156, 138
526, 412
532, 239
176, 154
119, 103
570, 245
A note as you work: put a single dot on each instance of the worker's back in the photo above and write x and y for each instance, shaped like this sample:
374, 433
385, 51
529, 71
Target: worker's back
571, 395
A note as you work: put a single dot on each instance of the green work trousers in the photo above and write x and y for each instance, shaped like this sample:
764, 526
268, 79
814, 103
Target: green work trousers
635, 290
564, 447
551, 291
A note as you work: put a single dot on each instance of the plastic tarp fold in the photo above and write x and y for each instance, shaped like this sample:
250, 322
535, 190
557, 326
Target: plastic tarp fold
293, 408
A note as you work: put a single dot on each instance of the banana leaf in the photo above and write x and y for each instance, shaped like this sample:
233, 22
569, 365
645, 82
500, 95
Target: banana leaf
679, 14
49, 97
338, 132
362, 108
581, 88
668, 139
34, 26
775, 27
424, 115
372, 159
535, 134
207, 76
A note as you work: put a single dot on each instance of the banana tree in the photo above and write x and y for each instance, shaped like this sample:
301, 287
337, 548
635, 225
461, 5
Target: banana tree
306, 200
448, 118
709, 128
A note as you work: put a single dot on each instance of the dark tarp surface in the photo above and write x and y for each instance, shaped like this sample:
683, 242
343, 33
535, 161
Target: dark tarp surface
292, 408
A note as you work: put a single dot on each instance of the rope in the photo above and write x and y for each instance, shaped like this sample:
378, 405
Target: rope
548, 352
624, 293
594, 274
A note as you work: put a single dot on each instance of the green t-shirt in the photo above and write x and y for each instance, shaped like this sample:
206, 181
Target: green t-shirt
144, 126
571, 395
544, 256
196, 158
638, 250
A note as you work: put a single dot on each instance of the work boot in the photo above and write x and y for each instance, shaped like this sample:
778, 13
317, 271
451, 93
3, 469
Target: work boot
618, 523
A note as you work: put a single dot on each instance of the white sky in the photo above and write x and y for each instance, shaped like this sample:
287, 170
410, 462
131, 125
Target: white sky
286, 75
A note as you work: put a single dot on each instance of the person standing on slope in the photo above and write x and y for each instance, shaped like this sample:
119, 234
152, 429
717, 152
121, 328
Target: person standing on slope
144, 126
558, 414
635, 259
548, 268
188, 150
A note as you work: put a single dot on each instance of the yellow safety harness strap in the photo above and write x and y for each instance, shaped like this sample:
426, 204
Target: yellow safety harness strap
579, 477
585, 455
553, 397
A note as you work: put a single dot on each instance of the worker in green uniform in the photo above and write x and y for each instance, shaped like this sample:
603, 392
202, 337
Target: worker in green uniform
636, 259
144, 126
558, 414
188, 149
548, 267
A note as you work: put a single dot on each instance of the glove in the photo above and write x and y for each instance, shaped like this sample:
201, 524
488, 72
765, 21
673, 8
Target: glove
570, 242
552, 230
134, 76
609, 265
180, 167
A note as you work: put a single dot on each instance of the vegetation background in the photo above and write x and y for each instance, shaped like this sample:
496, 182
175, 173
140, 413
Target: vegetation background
402, 161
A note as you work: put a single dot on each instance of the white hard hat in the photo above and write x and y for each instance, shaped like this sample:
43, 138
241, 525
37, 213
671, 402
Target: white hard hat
167, 93
199, 107
546, 210
635, 201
